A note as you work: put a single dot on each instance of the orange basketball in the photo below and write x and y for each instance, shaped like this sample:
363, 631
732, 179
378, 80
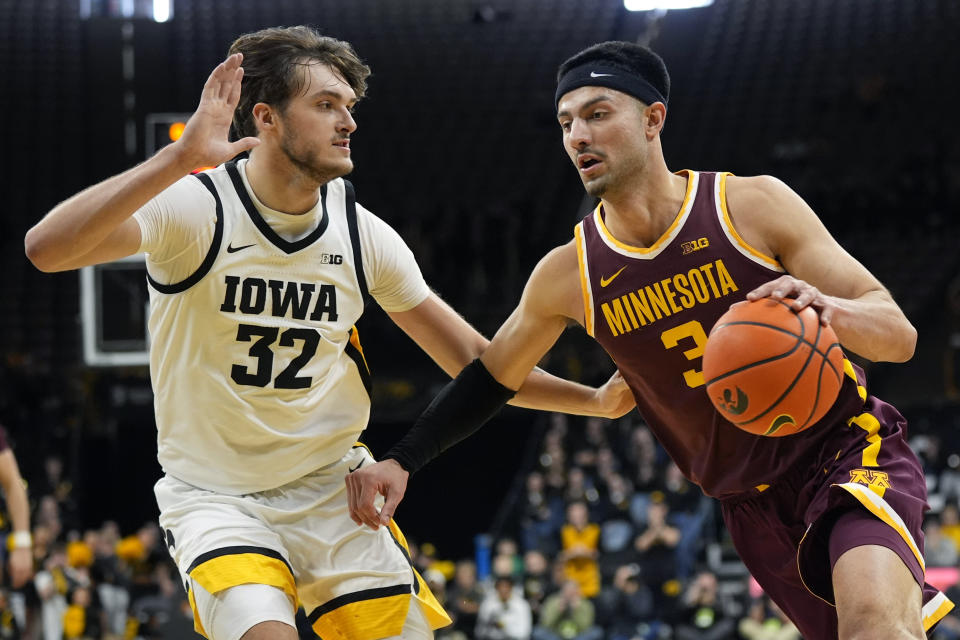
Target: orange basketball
770, 370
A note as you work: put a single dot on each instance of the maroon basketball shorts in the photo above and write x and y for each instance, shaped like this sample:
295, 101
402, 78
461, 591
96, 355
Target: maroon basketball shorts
864, 487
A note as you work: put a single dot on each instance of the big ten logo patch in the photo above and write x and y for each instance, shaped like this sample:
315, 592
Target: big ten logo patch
873, 479
694, 245
331, 258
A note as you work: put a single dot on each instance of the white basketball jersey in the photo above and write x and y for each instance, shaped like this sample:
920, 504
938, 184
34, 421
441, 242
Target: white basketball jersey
257, 372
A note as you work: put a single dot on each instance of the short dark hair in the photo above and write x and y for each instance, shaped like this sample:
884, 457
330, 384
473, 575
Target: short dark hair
274, 61
629, 56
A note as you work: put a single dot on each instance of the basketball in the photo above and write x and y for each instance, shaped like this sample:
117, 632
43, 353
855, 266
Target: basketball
770, 370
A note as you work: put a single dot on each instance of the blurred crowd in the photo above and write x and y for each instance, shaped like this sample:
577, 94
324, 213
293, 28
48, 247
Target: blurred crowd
604, 540
608, 540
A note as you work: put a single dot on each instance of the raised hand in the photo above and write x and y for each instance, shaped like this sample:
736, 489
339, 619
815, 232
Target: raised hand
386, 478
803, 293
206, 138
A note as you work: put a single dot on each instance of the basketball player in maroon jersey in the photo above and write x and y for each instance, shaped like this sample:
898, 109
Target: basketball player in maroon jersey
827, 520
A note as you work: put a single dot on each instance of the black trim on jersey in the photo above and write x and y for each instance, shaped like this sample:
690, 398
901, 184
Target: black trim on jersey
355, 240
211, 256
406, 556
261, 224
357, 358
233, 551
357, 596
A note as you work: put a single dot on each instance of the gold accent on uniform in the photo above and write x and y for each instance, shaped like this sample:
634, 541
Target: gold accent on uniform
871, 425
848, 370
722, 177
937, 614
879, 507
878, 481
365, 619
355, 341
762, 487
432, 608
230, 570
584, 283
197, 624
666, 234
605, 281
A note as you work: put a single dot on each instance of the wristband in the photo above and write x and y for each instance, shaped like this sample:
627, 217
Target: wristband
461, 407
19, 540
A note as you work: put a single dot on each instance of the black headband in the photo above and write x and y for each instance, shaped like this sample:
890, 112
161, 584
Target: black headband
598, 75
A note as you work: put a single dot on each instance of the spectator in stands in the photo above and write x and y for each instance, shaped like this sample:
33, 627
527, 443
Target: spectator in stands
112, 579
641, 456
508, 547
617, 495
625, 605
540, 514
580, 541
703, 616
537, 583
688, 512
580, 488
52, 586
950, 520
504, 614
82, 621
9, 628
938, 549
464, 597
657, 545
567, 615
48, 516
767, 621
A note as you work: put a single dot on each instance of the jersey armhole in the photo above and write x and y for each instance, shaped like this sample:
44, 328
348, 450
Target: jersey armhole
726, 222
207, 264
584, 278
350, 197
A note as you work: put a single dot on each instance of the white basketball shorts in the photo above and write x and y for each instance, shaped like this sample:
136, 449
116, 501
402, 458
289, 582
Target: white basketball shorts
353, 582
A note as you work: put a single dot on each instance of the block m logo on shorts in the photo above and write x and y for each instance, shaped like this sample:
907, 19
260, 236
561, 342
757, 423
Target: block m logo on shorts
876, 480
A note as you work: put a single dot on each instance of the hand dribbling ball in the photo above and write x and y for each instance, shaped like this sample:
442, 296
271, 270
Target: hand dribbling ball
770, 370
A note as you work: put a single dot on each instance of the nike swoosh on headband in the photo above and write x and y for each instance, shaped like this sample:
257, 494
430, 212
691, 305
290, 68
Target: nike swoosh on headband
594, 74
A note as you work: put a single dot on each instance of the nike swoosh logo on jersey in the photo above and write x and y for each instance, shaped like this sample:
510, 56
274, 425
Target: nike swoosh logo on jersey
232, 249
594, 74
605, 281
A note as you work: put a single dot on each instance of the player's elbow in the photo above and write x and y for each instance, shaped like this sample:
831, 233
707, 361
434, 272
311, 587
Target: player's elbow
39, 252
908, 343
901, 347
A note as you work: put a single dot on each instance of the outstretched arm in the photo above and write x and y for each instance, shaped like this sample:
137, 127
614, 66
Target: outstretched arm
822, 274
549, 300
453, 343
95, 225
21, 554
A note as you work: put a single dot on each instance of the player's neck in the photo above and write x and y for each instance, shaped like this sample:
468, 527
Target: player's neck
279, 186
641, 213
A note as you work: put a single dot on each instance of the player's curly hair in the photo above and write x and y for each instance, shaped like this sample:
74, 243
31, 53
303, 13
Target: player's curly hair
629, 56
274, 64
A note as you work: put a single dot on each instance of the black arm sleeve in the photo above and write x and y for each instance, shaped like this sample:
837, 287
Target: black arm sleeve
461, 407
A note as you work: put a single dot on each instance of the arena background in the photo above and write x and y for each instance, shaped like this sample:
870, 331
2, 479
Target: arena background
851, 102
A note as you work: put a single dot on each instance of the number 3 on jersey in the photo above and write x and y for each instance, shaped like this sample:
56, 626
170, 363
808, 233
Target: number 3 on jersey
672, 337
260, 349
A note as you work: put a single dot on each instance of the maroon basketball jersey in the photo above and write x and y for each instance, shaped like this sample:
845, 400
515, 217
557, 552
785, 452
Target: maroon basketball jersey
652, 308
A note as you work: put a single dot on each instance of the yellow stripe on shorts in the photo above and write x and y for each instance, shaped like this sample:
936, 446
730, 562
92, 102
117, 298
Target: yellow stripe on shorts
363, 615
221, 569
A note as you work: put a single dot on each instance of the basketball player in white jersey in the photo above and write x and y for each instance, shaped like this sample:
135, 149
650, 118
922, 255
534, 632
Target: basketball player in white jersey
258, 270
